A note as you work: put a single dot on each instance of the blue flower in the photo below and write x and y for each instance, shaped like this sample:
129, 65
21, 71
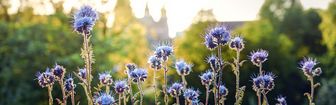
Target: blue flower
130, 67
82, 73
138, 75
237, 43
307, 65
105, 79
191, 94
104, 99
195, 102
281, 100
209, 42
84, 20
120, 86
263, 82
155, 62
214, 62
206, 78
183, 68
58, 71
223, 91
46, 78
258, 57
220, 34
163, 52
69, 84
175, 89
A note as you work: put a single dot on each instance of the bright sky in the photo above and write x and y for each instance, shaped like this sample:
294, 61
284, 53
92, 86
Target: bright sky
180, 13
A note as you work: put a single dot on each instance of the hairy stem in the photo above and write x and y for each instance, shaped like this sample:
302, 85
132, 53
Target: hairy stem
165, 85
50, 95
140, 90
265, 98
130, 90
311, 90
184, 86
73, 97
61, 82
177, 99
237, 75
124, 96
259, 98
207, 95
87, 95
260, 69
88, 62
119, 101
154, 86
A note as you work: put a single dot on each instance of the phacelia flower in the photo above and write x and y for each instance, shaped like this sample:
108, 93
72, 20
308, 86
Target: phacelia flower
209, 42
220, 34
281, 101
237, 43
214, 62
175, 89
58, 71
191, 94
195, 102
155, 62
223, 91
84, 19
82, 73
206, 78
183, 68
105, 79
104, 99
138, 75
46, 78
120, 86
307, 66
130, 67
69, 84
264, 82
258, 57
163, 52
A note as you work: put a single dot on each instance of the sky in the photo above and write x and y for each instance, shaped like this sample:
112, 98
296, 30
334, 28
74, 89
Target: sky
180, 13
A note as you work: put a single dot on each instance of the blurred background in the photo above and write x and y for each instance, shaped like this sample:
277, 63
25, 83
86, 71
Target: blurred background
36, 34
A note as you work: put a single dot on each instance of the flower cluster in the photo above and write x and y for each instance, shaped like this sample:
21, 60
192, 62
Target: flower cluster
175, 89
191, 94
138, 75
183, 68
307, 66
214, 62
223, 91
216, 36
120, 86
104, 99
69, 84
281, 101
263, 82
258, 57
58, 71
46, 78
237, 43
84, 20
155, 62
206, 78
105, 79
163, 52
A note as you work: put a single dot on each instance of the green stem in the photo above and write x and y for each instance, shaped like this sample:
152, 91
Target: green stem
119, 99
260, 69
73, 97
140, 90
237, 75
311, 90
184, 86
88, 60
124, 96
107, 89
63, 91
165, 85
130, 91
50, 95
177, 99
265, 99
207, 95
154, 85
